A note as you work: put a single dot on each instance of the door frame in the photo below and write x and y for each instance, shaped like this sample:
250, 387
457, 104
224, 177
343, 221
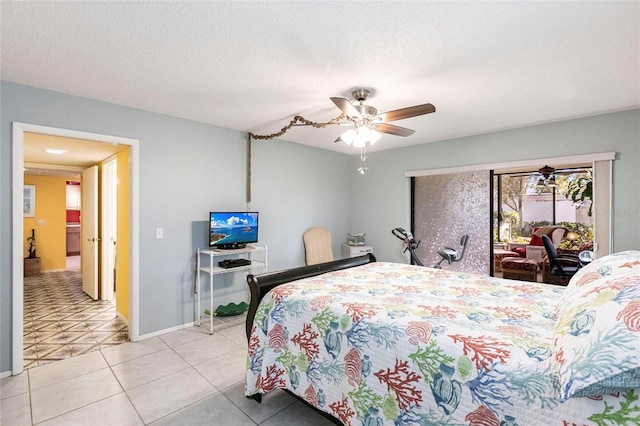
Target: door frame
17, 278
108, 231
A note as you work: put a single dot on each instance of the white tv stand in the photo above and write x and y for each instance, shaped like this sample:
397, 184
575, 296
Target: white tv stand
212, 269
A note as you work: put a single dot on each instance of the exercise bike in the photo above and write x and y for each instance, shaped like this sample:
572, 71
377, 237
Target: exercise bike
409, 244
448, 253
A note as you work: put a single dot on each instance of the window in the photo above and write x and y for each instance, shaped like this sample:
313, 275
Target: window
527, 200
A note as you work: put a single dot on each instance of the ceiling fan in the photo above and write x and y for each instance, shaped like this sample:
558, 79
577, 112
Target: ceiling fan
548, 174
367, 123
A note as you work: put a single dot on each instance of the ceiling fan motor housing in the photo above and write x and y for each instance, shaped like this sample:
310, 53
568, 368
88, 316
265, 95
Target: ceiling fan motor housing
366, 111
360, 95
546, 171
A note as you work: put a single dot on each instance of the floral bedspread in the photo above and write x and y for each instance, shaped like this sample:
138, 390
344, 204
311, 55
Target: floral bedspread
395, 344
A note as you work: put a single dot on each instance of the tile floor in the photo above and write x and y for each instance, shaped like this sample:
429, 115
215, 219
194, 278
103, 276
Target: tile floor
61, 321
186, 377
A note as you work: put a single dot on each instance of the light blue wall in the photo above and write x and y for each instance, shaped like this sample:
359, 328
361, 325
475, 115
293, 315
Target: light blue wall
186, 170
381, 199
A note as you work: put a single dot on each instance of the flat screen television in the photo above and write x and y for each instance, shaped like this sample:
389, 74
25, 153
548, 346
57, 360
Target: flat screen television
232, 230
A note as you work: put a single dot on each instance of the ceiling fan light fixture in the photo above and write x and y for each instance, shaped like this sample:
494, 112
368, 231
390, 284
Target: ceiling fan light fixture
540, 183
364, 134
552, 181
374, 136
359, 141
348, 137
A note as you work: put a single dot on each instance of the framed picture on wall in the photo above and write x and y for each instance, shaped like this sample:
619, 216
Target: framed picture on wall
29, 201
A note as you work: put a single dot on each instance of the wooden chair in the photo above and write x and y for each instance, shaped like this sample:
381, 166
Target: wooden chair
317, 246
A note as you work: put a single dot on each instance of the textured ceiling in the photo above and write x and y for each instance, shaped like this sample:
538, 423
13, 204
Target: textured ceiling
251, 66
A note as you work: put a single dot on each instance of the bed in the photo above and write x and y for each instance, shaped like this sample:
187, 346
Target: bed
377, 343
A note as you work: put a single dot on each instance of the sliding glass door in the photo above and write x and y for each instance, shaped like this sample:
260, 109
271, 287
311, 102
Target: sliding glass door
499, 208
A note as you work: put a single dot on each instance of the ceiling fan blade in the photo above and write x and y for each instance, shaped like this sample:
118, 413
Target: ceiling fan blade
548, 171
408, 112
522, 174
346, 107
569, 171
392, 129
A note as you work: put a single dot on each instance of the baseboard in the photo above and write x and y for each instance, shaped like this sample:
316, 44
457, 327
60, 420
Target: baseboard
123, 319
5, 374
165, 331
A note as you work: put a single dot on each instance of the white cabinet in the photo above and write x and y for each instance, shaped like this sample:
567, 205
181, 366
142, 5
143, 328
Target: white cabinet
354, 251
207, 262
73, 197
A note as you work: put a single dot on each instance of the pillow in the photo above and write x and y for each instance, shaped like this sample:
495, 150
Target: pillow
535, 239
597, 332
608, 266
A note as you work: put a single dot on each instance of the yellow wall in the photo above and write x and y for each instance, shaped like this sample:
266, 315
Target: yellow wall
51, 234
123, 248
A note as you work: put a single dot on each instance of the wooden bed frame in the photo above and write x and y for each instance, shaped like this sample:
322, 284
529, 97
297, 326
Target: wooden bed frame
259, 285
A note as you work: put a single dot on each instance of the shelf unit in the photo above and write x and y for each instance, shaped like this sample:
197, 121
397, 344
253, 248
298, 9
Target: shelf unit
212, 269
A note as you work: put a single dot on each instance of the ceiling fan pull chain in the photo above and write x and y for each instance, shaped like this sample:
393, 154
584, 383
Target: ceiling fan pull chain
363, 161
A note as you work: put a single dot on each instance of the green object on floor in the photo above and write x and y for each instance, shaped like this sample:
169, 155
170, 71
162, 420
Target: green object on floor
231, 309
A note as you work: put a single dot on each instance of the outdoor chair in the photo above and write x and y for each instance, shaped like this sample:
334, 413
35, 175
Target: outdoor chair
559, 268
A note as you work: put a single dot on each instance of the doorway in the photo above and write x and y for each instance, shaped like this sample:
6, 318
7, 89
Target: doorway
128, 277
61, 319
552, 201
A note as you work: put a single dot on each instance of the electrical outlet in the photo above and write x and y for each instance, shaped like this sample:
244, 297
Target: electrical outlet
159, 233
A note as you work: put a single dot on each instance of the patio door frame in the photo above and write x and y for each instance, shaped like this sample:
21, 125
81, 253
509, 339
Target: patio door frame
602, 177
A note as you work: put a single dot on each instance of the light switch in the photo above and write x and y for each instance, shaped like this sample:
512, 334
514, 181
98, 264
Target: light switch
159, 233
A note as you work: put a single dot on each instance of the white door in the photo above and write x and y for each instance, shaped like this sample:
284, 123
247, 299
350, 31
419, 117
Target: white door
89, 232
